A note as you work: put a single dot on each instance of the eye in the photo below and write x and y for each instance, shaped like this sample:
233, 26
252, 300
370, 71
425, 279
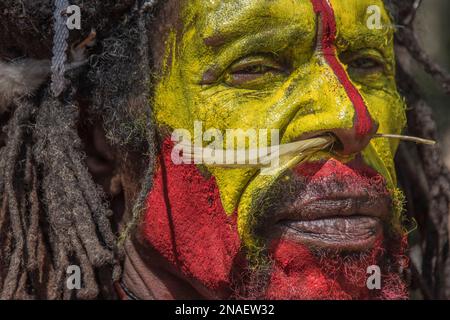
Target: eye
368, 67
363, 68
254, 71
367, 64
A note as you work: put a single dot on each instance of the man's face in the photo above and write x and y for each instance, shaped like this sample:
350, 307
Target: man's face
305, 67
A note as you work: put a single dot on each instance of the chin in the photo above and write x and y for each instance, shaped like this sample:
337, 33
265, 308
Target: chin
320, 231
327, 228
293, 271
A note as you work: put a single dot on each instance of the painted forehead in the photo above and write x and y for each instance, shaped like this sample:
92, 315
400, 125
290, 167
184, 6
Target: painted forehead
222, 21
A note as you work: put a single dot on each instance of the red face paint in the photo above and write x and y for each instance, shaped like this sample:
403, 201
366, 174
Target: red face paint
187, 224
298, 274
355, 174
363, 123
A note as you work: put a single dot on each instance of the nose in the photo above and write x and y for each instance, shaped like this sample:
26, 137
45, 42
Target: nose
330, 105
338, 108
355, 139
350, 141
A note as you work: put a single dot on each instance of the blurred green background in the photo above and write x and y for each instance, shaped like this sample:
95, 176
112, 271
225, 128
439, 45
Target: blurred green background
433, 28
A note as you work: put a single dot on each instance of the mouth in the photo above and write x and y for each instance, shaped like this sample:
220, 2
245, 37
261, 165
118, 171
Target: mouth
356, 233
336, 222
328, 205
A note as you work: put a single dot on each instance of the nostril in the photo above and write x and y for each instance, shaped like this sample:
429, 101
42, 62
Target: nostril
337, 146
348, 142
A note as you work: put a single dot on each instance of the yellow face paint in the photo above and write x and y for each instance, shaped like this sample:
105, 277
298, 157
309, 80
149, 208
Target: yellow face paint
255, 64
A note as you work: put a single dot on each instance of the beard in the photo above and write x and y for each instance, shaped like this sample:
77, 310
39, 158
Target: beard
194, 234
292, 271
290, 267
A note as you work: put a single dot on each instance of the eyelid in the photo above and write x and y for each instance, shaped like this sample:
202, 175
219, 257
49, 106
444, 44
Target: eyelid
348, 57
213, 75
254, 61
254, 72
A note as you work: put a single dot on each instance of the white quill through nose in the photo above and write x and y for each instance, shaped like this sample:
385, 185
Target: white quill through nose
300, 149
254, 159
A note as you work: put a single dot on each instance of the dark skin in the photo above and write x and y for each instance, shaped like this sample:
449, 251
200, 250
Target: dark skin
111, 172
119, 172
146, 274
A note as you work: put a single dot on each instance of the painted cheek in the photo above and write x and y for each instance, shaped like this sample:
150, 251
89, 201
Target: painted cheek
187, 224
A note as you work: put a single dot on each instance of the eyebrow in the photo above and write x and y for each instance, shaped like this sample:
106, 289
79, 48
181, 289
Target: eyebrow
238, 26
235, 30
219, 39
257, 41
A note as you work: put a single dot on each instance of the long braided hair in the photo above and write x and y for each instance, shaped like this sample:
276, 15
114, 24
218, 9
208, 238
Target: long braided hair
53, 214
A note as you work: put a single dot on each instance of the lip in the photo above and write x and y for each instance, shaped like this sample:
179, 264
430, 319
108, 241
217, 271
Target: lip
342, 222
327, 204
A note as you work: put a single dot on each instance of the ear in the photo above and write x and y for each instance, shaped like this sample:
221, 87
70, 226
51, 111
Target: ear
101, 160
118, 171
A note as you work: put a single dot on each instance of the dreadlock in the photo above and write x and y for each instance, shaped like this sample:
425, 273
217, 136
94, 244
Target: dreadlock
53, 214
422, 173
43, 170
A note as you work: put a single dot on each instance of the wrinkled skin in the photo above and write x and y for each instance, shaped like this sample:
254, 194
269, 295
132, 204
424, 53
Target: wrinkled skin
311, 229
